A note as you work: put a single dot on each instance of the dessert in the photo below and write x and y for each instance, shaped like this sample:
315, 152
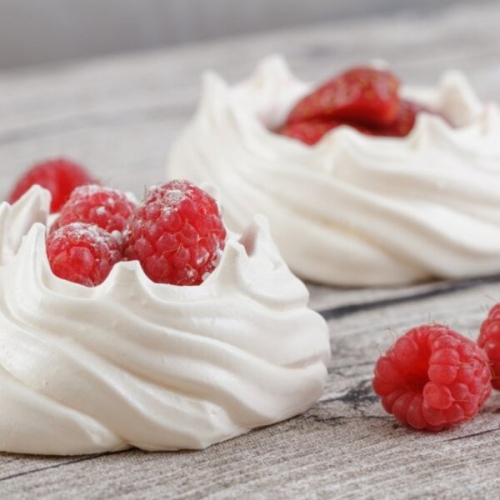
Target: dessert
354, 209
135, 363
433, 378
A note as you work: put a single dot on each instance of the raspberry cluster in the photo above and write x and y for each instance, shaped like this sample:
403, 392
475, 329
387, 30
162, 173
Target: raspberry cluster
176, 233
364, 98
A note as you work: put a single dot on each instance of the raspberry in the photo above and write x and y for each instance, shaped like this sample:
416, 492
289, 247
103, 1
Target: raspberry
310, 132
105, 207
176, 234
363, 98
59, 176
82, 253
363, 95
404, 122
489, 340
433, 378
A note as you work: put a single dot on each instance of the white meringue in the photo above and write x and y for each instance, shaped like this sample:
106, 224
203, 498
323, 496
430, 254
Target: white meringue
158, 367
354, 209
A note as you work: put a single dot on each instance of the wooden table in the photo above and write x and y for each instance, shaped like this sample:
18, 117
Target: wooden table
120, 117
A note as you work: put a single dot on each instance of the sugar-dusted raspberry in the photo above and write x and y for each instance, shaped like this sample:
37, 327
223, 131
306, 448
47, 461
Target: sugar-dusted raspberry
308, 132
105, 207
176, 234
489, 340
59, 176
82, 253
433, 378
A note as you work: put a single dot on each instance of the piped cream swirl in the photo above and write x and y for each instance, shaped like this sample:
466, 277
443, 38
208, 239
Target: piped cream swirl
354, 209
158, 367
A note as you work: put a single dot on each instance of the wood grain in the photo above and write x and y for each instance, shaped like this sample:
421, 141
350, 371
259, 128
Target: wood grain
66, 30
120, 117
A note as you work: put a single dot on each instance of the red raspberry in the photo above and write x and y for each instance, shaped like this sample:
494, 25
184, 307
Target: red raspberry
403, 125
363, 98
59, 176
105, 207
363, 95
489, 340
82, 253
404, 122
176, 234
433, 378
310, 132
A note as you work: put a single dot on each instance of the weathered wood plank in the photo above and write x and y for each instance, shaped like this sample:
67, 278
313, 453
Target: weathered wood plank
337, 302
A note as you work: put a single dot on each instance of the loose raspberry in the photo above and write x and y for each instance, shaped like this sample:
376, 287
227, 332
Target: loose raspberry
433, 378
82, 253
363, 95
489, 340
176, 234
105, 207
59, 176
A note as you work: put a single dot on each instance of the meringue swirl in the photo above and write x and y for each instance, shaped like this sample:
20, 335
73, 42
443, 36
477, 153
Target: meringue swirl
354, 209
135, 363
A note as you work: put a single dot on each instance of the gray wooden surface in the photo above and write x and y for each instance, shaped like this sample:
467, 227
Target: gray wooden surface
120, 117
34, 32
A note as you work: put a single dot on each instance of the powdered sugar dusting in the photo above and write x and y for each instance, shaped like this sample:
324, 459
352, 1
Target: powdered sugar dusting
105, 207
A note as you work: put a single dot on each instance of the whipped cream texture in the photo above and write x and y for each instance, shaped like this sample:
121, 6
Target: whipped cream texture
135, 363
354, 209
